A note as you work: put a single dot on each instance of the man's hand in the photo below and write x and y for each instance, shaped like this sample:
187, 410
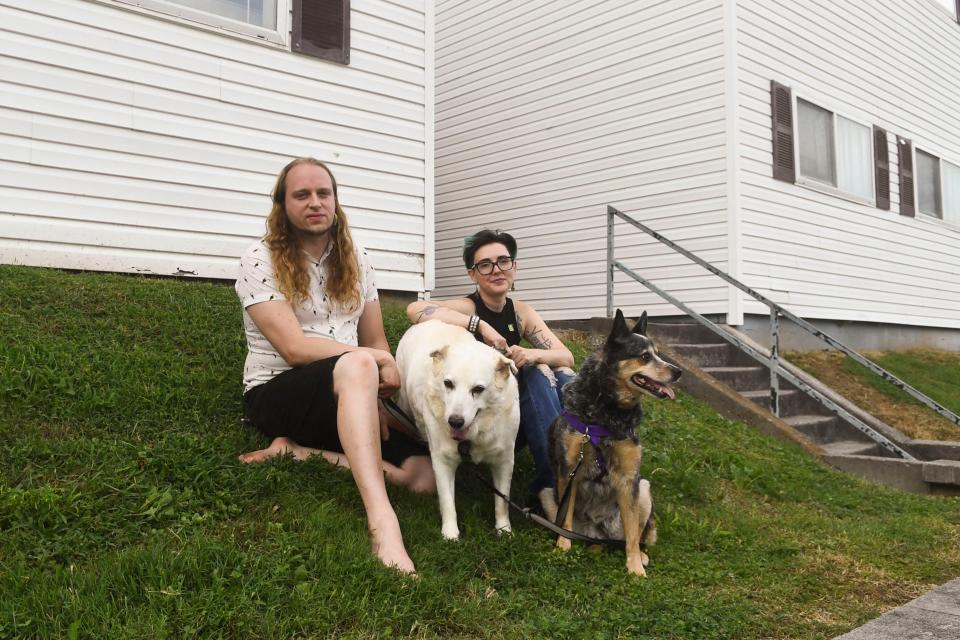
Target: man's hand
492, 337
389, 375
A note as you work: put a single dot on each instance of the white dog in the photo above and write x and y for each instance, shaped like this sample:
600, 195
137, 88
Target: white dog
457, 389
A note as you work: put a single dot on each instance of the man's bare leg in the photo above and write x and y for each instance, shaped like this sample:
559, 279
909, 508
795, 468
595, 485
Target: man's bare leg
355, 379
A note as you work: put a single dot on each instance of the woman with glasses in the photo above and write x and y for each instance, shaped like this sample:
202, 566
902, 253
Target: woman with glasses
502, 322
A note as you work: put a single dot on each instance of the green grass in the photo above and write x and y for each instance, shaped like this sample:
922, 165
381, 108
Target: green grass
124, 513
935, 373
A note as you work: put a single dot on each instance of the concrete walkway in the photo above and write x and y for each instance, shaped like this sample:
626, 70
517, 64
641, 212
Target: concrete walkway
933, 616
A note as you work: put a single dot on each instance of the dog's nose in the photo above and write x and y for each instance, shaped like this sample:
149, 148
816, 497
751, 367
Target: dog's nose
456, 422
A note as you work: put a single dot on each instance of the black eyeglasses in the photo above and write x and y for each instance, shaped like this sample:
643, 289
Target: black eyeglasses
485, 267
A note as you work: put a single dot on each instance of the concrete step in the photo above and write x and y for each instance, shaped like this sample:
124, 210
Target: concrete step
741, 378
820, 429
713, 354
680, 332
792, 402
853, 448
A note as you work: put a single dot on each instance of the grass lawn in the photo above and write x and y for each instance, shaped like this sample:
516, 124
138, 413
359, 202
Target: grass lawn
124, 512
934, 373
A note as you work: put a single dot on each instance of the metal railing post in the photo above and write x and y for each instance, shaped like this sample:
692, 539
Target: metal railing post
610, 213
800, 322
774, 362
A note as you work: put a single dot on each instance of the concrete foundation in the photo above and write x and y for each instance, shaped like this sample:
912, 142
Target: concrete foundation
860, 336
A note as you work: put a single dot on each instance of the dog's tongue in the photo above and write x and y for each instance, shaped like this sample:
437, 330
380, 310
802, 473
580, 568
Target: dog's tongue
458, 434
664, 389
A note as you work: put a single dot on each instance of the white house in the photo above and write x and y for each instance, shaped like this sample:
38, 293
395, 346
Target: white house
549, 111
145, 135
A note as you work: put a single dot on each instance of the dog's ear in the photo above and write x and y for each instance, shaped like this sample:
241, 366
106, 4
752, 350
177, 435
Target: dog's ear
641, 326
619, 329
440, 354
619, 324
506, 367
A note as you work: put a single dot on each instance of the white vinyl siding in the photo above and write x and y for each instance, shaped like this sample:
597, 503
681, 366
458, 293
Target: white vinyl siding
138, 144
887, 63
549, 111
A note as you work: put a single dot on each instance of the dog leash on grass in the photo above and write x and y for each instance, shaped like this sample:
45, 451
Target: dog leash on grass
464, 450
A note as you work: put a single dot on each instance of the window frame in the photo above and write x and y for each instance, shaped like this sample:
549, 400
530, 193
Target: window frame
953, 13
933, 152
823, 187
279, 37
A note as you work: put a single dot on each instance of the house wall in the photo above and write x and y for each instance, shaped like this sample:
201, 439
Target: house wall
139, 144
549, 111
891, 63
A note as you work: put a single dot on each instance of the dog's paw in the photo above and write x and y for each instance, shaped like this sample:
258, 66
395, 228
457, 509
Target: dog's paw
450, 532
563, 543
635, 565
644, 559
504, 529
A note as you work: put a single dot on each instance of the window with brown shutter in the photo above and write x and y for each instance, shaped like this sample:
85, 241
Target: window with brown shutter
905, 158
781, 108
881, 164
321, 28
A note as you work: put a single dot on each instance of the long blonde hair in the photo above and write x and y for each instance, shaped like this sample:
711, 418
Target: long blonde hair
289, 260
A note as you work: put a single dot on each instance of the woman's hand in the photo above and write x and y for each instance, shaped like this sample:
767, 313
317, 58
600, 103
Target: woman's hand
492, 337
521, 356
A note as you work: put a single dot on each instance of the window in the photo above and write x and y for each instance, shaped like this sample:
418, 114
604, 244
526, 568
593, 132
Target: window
261, 19
834, 150
319, 28
938, 187
261, 13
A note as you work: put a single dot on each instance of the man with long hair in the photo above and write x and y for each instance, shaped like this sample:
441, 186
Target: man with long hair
317, 355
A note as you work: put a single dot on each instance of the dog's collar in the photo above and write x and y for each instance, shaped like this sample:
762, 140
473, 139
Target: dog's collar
595, 432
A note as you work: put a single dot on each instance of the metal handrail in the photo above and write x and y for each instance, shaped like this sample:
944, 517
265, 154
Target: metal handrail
772, 360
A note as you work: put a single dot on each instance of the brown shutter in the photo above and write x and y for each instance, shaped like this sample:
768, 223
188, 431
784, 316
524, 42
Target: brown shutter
905, 158
881, 167
781, 107
321, 28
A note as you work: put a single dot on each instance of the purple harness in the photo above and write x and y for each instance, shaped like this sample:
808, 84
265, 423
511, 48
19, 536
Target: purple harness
595, 432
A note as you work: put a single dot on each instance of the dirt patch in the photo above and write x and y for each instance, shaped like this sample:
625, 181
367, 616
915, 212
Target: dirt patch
918, 422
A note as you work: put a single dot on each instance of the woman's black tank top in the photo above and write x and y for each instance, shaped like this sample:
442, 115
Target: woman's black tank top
505, 322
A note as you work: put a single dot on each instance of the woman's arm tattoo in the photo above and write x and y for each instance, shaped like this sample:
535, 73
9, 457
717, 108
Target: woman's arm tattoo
426, 311
539, 341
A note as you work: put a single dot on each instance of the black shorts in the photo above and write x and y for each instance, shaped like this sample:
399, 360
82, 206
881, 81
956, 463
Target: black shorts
299, 404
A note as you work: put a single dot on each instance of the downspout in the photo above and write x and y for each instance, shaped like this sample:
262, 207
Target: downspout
732, 108
429, 97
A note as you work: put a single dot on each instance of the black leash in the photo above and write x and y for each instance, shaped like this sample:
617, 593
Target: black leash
464, 450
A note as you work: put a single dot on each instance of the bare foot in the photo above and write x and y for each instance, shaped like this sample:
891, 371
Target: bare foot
279, 446
388, 546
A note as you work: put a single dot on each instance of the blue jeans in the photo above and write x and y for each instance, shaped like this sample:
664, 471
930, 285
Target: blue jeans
540, 403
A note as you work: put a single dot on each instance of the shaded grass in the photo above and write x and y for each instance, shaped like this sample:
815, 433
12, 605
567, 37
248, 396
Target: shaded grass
124, 513
934, 373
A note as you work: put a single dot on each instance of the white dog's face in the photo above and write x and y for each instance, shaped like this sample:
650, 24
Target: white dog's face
465, 383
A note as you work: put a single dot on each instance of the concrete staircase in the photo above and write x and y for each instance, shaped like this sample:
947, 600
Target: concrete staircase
721, 374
